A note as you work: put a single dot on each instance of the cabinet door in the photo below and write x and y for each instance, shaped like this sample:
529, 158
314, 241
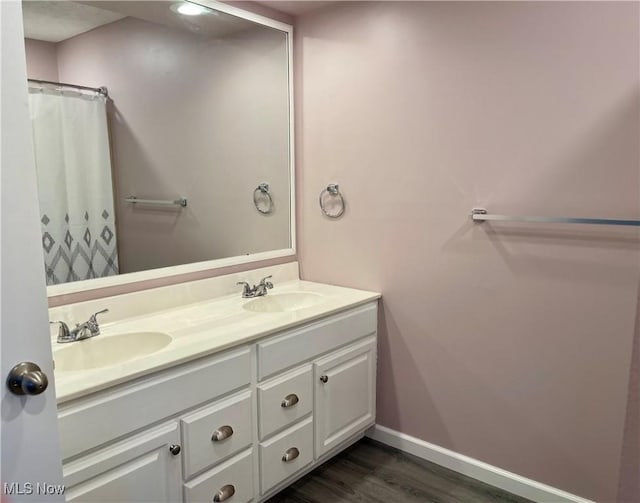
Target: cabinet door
345, 394
140, 468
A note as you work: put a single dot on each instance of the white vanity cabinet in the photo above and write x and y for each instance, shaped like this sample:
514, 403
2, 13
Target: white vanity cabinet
235, 426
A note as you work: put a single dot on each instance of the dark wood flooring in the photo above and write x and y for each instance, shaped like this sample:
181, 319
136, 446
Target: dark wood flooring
370, 472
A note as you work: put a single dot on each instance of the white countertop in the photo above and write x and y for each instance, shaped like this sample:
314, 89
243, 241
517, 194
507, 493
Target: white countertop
201, 329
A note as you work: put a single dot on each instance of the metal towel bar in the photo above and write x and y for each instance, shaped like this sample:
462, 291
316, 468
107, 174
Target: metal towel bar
481, 215
182, 201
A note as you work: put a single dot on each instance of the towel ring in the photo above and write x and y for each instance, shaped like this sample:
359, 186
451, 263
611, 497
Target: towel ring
332, 190
263, 189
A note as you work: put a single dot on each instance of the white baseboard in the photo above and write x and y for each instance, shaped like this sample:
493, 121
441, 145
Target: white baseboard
473, 468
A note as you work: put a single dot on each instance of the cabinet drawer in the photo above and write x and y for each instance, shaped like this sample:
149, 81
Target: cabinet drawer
297, 443
214, 433
104, 416
284, 400
295, 347
231, 481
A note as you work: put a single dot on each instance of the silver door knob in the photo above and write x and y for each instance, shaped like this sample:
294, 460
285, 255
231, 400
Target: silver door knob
174, 449
27, 378
324, 379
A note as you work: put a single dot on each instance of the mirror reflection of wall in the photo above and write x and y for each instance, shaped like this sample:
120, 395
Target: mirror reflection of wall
197, 107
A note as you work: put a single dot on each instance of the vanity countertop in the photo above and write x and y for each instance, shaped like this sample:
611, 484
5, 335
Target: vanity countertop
203, 328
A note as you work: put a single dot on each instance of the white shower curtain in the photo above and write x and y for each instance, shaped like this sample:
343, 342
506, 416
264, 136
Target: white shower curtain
75, 188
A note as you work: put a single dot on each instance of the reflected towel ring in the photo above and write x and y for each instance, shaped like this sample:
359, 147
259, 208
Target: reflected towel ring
263, 189
332, 190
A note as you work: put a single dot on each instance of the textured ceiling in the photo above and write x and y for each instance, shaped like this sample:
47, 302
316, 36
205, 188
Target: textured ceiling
56, 21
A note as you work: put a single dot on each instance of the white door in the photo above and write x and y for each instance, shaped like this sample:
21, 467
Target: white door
345, 394
30, 457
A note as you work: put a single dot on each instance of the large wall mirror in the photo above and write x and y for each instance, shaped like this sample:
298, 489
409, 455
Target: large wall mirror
162, 137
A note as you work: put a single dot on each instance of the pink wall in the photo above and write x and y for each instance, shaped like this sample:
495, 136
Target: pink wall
204, 118
509, 343
42, 63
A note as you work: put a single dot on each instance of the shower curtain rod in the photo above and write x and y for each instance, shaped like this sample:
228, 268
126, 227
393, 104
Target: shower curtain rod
100, 90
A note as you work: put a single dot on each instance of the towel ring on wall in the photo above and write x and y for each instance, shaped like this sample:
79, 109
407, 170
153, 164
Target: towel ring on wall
263, 190
332, 192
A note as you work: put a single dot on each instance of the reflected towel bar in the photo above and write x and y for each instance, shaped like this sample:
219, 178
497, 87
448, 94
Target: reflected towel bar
481, 215
163, 202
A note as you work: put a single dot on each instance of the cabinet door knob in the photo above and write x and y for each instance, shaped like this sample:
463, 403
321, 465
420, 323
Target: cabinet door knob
290, 454
174, 449
290, 400
222, 433
224, 493
324, 378
27, 378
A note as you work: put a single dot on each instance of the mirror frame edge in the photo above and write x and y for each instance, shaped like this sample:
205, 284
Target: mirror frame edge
132, 278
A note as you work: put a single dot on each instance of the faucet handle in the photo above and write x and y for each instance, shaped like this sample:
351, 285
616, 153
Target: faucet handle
266, 283
92, 324
247, 289
93, 316
63, 331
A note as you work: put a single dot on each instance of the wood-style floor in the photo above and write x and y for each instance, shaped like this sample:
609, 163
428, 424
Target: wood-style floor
370, 472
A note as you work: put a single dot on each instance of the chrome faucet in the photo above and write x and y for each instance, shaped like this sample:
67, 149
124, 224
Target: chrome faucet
259, 290
89, 328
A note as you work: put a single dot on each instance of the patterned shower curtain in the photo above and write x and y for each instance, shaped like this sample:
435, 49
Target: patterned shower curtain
75, 188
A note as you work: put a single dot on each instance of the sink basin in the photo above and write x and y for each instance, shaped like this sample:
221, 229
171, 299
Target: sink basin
283, 302
104, 351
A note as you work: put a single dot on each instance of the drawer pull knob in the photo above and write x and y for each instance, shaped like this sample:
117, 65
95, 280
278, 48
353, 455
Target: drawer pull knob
324, 378
290, 400
174, 449
220, 434
290, 454
224, 493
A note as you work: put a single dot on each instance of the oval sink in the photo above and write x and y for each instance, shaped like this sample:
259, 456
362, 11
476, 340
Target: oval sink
104, 351
282, 302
